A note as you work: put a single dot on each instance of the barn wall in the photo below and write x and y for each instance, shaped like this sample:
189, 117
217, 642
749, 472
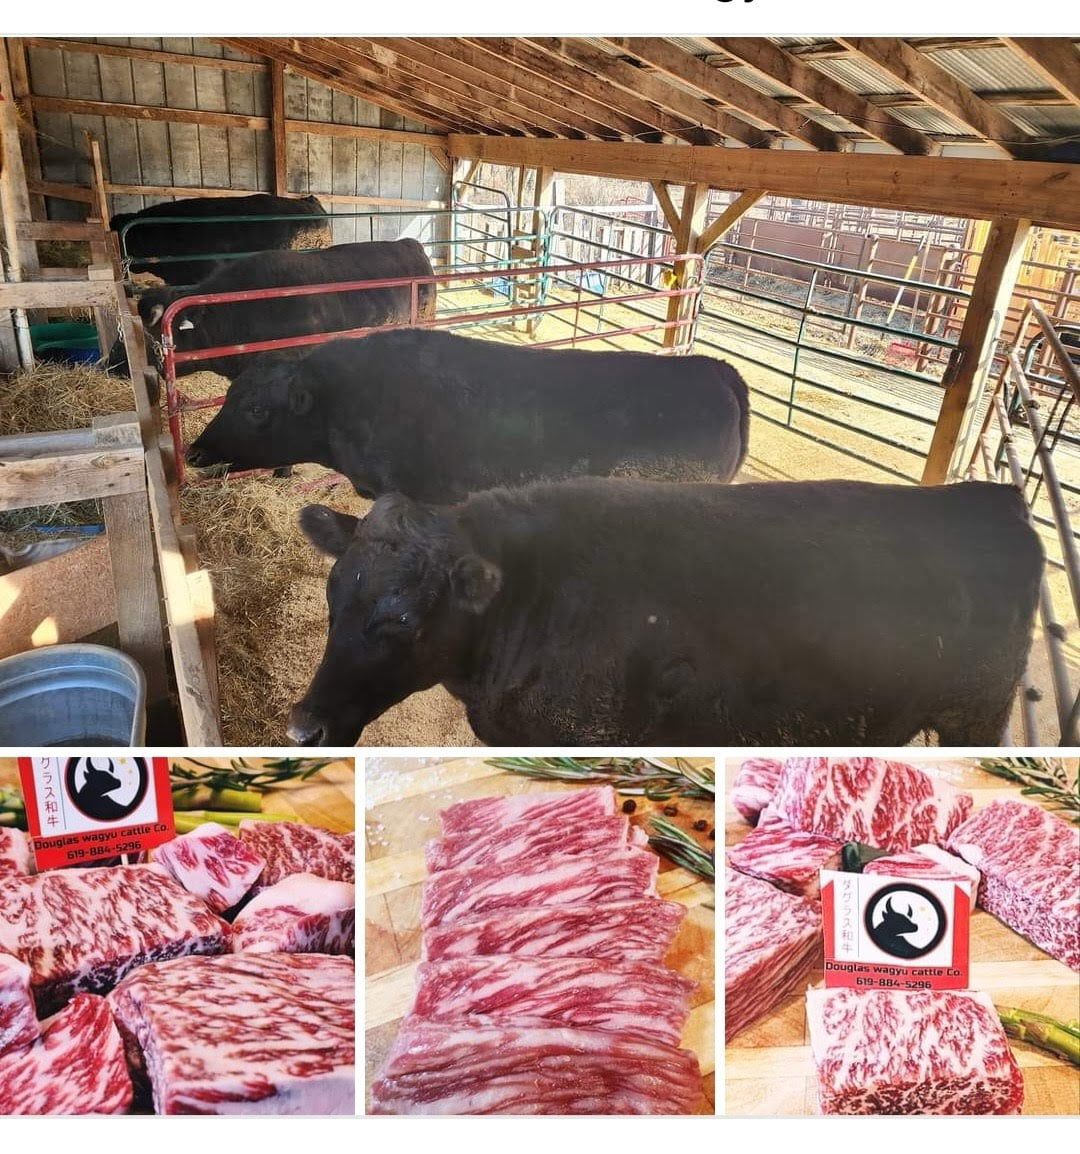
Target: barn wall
144, 152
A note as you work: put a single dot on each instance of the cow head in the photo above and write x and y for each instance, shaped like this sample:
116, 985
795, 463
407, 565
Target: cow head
405, 595
270, 418
152, 306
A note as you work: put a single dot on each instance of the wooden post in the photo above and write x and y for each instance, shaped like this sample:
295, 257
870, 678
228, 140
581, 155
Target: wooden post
103, 250
20, 87
691, 225
970, 362
543, 193
277, 126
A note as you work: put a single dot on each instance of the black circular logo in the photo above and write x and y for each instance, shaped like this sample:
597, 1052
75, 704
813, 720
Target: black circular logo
106, 788
904, 920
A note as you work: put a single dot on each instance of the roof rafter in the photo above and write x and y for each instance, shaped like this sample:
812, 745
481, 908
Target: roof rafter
562, 78
773, 62
654, 88
673, 61
939, 88
1055, 58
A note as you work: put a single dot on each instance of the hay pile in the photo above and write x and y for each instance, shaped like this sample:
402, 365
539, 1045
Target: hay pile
270, 605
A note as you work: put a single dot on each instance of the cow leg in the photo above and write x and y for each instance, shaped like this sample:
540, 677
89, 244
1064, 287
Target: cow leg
975, 724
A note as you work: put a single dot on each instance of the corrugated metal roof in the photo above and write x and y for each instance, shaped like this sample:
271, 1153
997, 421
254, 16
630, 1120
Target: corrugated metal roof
756, 80
988, 69
1044, 120
858, 74
929, 120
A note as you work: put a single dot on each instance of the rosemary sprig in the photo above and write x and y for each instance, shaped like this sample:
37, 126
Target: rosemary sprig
630, 775
1044, 777
678, 846
240, 775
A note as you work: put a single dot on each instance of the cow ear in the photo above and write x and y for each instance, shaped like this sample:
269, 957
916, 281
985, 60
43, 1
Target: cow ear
474, 582
300, 400
329, 531
152, 308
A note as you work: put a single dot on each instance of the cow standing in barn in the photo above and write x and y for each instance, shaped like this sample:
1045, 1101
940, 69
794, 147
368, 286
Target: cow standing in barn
436, 416
245, 322
631, 613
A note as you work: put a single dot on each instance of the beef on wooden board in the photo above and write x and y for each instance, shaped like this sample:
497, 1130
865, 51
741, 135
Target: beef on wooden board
924, 1052
634, 997
771, 941
640, 930
436, 415
753, 787
619, 612
566, 879
927, 861
1030, 865
82, 930
291, 847
532, 1068
244, 1033
484, 817
788, 858
76, 1066
212, 863
303, 914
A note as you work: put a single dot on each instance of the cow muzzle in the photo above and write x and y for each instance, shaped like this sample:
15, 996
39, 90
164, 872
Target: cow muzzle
200, 458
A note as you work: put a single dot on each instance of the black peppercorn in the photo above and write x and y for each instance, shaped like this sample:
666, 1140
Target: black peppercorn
671, 810
701, 825
629, 805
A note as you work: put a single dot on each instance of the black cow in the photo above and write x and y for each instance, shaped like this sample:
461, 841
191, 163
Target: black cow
208, 326
632, 613
212, 236
436, 416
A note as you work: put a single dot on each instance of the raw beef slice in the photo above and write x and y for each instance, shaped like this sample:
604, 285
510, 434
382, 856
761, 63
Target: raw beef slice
513, 1068
786, 857
289, 847
926, 861
885, 804
211, 863
243, 1033
928, 1052
16, 860
1030, 865
638, 931
522, 840
607, 876
76, 1066
772, 940
586, 992
18, 1019
83, 929
754, 785
484, 817
303, 914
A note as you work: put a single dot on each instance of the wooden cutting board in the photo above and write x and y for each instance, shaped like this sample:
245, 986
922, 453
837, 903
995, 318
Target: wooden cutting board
403, 799
768, 1067
326, 799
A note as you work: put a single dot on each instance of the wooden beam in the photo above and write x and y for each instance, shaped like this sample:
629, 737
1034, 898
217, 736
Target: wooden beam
20, 87
277, 128
728, 218
76, 192
529, 66
774, 62
148, 112
695, 206
14, 190
678, 64
60, 478
432, 140
55, 294
672, 215
1055, 58
954, 186
970, 362
940, 89
152, 54
654, 88
505, 81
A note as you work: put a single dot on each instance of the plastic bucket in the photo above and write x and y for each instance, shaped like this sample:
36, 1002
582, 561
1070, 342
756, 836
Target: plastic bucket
79, 695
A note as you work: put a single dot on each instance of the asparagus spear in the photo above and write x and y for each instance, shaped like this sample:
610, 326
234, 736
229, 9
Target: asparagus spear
1060, 1038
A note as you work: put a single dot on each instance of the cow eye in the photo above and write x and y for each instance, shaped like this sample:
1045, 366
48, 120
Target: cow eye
258, 412
403, 619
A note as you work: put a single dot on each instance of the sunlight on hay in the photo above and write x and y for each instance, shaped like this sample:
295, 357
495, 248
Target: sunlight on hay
52, 397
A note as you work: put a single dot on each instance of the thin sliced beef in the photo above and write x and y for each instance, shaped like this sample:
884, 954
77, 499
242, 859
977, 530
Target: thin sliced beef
480, 1068
754, 785
635, 997
926, 861
786, 857
484, 817
18, 1019
76, 1066
243, 1033
928, 1052
303, 914
16, 859
1030, 865
289, 847
522, 840
568, 879
886, 804
771, 943
83, 930
619, 931
211, 863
